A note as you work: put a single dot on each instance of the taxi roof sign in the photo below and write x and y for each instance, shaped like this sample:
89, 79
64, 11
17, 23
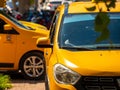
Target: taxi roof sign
2, 3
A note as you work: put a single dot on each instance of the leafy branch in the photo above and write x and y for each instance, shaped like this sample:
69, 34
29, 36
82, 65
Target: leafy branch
102, 19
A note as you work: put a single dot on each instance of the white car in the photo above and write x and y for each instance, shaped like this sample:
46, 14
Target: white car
52, 4
67, 1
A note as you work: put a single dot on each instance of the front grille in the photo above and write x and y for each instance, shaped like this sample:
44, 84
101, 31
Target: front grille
98, 83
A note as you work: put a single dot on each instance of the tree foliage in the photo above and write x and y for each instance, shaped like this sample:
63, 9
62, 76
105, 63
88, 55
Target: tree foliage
102, 19
24, 5
2, 3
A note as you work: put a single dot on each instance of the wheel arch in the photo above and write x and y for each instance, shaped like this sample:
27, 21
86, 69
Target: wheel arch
20, 61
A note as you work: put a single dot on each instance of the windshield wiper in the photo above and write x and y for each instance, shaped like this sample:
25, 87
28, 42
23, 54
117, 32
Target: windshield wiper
108, 47
73, 47
77, 48
30, 28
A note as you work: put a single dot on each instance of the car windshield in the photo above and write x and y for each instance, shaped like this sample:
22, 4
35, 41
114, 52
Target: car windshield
77, 31
14, 20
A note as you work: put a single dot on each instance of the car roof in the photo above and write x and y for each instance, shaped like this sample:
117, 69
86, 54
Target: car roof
80, 7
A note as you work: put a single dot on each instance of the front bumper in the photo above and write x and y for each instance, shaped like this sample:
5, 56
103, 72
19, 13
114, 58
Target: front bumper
98, 83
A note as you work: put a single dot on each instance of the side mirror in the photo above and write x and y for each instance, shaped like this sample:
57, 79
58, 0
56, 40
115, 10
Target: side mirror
44, 42
7, 27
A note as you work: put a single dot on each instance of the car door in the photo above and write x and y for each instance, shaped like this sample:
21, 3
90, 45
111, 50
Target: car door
8, 42
48, 51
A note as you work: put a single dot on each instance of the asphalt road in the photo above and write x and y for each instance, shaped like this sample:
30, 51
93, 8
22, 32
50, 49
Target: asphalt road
19, 83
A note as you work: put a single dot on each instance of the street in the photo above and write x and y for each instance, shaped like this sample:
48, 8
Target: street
19, 83
27, 85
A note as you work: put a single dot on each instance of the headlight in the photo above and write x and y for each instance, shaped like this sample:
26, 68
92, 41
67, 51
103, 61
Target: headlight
64, 75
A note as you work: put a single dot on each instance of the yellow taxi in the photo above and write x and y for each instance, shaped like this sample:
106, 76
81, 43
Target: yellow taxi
18, 50
74, 60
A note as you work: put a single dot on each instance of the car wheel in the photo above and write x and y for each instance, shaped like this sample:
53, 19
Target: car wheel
46, 83
32, 65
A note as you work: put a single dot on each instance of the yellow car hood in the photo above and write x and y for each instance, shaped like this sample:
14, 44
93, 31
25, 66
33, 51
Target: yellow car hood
100, 63
33, 25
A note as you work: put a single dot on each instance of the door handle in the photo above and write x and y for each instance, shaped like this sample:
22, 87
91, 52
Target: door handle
8, 37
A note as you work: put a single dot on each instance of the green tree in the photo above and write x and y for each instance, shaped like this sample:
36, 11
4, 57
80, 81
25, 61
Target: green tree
24, 5
102, 19
2, 3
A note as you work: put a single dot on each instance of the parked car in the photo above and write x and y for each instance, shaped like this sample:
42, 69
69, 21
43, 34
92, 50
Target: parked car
18, 50
67, 1
52, 4
74, 61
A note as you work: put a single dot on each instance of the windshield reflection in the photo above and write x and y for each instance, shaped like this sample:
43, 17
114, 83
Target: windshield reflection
14, 20
77, 30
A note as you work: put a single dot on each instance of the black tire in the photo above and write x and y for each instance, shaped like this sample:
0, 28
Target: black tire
46, 83
32, 66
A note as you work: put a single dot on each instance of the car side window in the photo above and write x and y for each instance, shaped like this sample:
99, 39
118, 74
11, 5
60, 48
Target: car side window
53, 26
2, 23
2, 31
